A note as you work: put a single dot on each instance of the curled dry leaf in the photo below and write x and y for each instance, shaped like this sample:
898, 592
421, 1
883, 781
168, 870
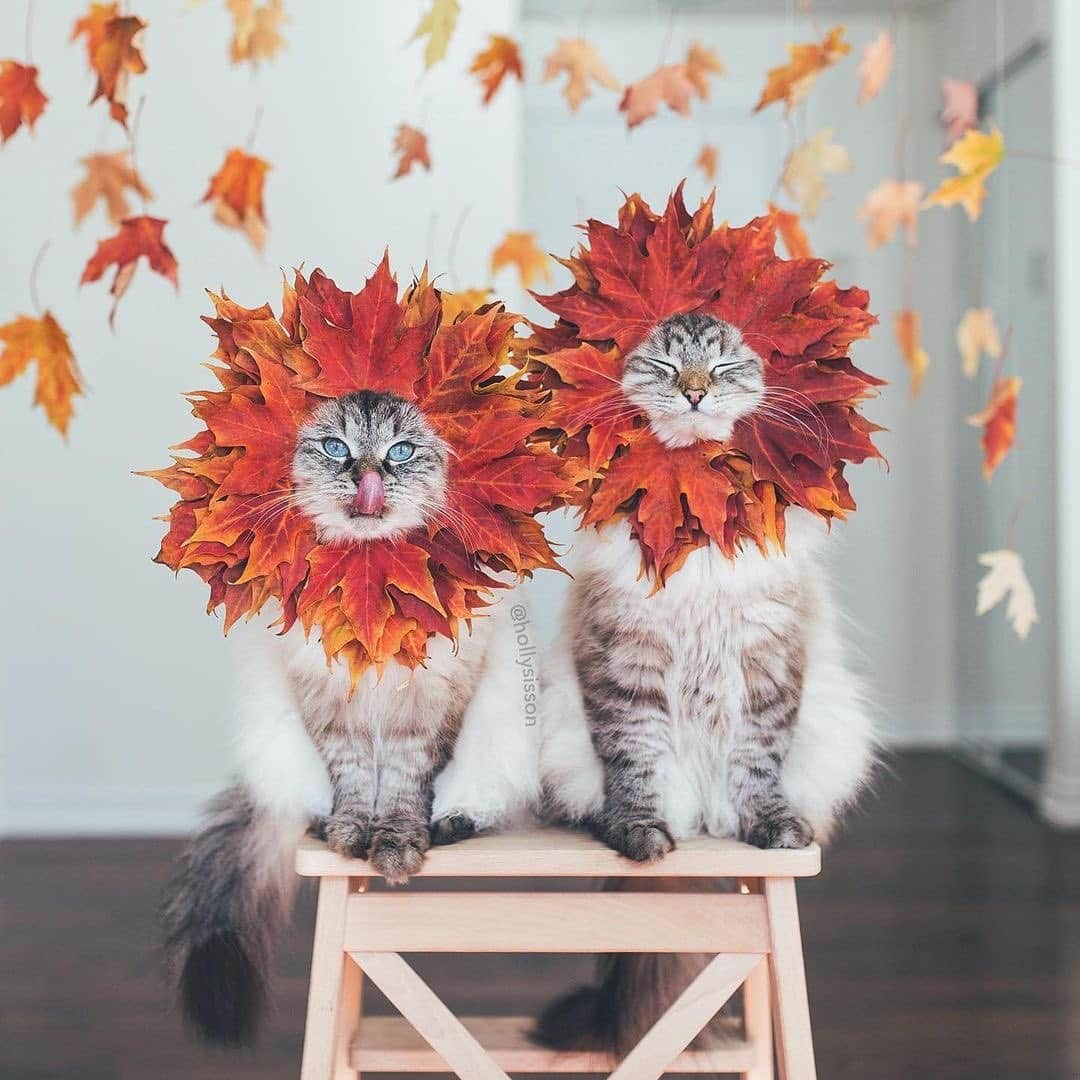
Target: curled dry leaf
960, 107
112, 49
236, 193
876, 66
791, 82
383, 601
463, 302
579, 61
256, 30
107, 178
807, 165
629, 277
998, 422
411, 147
907, 328
1005, 577
789, 229
976, 155
701, 64
139, 237
976, 334
42, 341
891, 205
491, 65
21, 99
708, 161
437, 25
520, 249
671, 85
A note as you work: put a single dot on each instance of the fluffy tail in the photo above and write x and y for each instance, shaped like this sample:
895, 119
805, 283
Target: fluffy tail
232, 893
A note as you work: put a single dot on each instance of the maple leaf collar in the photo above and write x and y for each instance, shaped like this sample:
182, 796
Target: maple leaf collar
236, 524
633, 276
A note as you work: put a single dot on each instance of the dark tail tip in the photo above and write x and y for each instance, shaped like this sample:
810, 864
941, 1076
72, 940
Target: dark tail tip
576, 1021
222, 991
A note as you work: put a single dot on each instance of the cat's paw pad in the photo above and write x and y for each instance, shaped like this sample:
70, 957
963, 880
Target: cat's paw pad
642, 841
780, 831
398, 852
348, 834
451, 828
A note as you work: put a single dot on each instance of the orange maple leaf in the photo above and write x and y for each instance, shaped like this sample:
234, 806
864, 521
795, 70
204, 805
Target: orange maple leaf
520, 249
411, 146
891, 205
381, 601
791, 82
27, 339
21, 99
671, 85
701, 64
256, 30
463, 302
107, 178
906, 327
789, 229
959, 108
491, 65
998, 421
137, 238
112, 49
236, 192
633, 275
708, 161
577, 58
876, 66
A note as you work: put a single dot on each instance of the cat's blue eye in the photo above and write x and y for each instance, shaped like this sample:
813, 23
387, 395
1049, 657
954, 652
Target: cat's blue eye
400, 451
335, 449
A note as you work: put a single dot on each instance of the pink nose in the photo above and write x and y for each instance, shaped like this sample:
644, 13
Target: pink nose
693, 396
370, 494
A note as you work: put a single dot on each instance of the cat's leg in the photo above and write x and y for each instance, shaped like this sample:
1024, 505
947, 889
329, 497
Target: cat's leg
349, 757
773, 679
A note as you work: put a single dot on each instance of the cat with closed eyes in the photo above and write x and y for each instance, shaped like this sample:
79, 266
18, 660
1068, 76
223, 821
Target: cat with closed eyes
406, 759
719, 703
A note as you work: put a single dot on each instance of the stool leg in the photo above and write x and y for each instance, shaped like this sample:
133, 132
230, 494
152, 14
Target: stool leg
333, 1010
757, 1010
790, 1005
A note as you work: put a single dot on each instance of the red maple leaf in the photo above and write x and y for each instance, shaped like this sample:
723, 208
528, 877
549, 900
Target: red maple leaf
647, 268
21, 99
369, 603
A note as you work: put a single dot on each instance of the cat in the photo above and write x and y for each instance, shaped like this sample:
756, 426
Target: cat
412, 757
719, 703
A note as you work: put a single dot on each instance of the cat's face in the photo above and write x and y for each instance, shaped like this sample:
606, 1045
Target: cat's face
694, 377
368, 466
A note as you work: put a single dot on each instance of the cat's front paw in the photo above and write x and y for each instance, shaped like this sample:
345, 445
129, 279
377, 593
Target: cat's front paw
450, 828
347, 834
397, 848
642, 841
782, 830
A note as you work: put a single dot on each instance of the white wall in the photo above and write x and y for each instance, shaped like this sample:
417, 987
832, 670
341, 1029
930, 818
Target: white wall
112, 680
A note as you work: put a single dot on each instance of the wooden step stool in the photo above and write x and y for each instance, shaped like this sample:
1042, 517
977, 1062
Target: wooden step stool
753, 932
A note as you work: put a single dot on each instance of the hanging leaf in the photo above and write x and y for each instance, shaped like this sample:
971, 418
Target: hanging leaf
107, 179
789, 229
437, 25
791, 82
21, 100
139, 237
236, 194
906, 327
701, 65
411, 147
256, 31
804, 172
1006, 578
891, 205
520, 249
578, 59
998, 421
876, 66
976, 334
665, 86
976, 155
112, 48
490, 66
708, 161
42, 341
960, 107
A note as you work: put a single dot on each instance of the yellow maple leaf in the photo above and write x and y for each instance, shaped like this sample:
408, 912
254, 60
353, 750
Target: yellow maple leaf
256, 30
700, 64
26, 339
906, 327
804, 172
520, 249
976, 155
438, 27
977, 334
578, 59
462, 302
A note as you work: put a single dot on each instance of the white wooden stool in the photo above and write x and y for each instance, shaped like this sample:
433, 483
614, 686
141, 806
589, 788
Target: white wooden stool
754, 933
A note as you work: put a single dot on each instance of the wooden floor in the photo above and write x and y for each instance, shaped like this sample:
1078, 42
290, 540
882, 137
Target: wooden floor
942, 941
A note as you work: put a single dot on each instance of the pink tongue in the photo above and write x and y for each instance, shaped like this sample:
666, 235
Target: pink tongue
370, 496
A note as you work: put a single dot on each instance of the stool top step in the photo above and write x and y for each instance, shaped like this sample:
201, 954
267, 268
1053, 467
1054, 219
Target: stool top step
553, 852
